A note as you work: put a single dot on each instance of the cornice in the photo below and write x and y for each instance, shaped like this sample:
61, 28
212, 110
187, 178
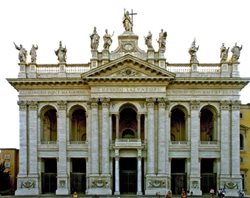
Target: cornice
20, 83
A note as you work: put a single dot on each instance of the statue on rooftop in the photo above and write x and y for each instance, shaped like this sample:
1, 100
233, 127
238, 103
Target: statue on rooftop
162, 40
192, 51
22, 56
223, 53
33, 53
127, 22
107, 40
61, 53
94, 38
148, 40
236, 53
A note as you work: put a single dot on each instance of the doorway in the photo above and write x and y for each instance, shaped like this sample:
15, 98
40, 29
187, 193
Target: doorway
128, 175
78, 175
178, 175
49, 175
208, 175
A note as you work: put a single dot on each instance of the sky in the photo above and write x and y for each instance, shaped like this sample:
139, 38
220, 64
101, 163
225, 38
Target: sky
46, 22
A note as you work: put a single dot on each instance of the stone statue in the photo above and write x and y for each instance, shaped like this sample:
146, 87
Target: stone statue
192, 51
94, 37
22, 56
61, 53
148, 40
162, 40
33, 53
127, 22
236, 53
223, 53
107, 40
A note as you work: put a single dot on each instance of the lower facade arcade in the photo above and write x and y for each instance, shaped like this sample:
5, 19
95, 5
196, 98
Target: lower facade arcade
108, 147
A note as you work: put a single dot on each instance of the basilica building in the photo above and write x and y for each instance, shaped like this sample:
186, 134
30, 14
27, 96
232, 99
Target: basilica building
129, 122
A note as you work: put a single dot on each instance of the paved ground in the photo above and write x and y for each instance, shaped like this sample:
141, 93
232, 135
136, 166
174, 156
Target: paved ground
108, 196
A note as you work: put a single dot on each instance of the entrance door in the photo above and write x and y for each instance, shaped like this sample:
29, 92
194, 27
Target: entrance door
128, 175
208, 175
178, 175
49, 181
78, 175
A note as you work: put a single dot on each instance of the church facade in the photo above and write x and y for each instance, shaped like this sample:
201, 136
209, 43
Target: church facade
128, 122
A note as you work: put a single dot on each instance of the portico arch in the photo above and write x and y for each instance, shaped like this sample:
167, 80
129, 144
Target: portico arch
48, 115
208, 123
178, 123
128, 123
78, 123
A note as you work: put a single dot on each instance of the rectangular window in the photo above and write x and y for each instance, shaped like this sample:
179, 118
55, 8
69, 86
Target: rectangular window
241, 115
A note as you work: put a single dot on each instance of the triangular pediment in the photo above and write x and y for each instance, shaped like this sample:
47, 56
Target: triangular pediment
128, 67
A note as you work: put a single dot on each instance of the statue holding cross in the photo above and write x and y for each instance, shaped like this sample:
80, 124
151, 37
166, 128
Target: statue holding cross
128, 21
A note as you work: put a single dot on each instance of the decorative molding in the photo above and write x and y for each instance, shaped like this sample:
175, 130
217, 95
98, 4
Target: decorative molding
224, 105
195, 184
28, 184
150, 102
22, 105
62, 105
33, 105
127, 72
100, 182
231, 185
236, 105
156, 183
194, 104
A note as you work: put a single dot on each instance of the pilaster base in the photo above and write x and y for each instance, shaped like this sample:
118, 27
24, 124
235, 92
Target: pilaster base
99, 191
62, 183
195, 186
27, 185
99, 185
156, 185
231, 186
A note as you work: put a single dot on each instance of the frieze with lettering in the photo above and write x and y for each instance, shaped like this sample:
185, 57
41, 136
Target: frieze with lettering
128, 89
53, 92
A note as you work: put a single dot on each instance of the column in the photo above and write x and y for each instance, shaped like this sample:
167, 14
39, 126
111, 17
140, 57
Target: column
23, 151
225, 140
23, 157
139, 174
194, 140
94, 141
62, 176
117, 125
150, 138
117, 174
168, 139
139, 126
105, 136
32, 136
161, 137
235, 139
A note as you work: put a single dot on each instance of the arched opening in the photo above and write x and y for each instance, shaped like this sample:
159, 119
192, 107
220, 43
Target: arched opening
49, 125
128, 122
78, 125
207, 124
178, 125
128, 133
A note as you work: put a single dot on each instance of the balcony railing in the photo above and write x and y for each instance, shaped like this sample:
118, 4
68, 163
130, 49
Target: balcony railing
128, 142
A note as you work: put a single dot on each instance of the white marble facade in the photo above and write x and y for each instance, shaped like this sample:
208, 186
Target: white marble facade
128, 114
